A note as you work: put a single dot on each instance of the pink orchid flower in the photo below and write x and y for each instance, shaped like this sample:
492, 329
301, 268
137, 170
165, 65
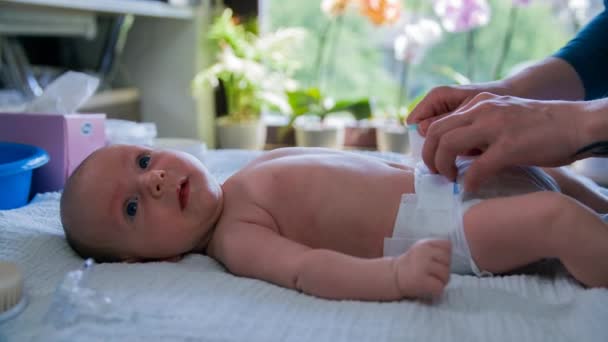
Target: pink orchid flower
462, 15
521, 3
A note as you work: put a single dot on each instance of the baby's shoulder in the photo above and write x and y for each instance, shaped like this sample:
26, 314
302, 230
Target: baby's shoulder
238, 223
245, 200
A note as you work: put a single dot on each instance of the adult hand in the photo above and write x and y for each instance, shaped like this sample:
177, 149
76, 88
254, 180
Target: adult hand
444, 100
504, 131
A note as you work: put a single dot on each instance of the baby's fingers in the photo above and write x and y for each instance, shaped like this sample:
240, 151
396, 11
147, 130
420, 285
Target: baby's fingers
434, 287
441, 244
442, 257
440, 272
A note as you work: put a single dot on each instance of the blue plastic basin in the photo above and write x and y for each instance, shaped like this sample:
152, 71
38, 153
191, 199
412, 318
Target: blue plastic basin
17, 161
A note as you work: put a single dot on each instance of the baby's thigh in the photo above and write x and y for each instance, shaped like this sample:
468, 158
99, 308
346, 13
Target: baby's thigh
509, 232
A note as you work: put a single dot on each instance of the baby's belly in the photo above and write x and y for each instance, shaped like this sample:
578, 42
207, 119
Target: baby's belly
353, 220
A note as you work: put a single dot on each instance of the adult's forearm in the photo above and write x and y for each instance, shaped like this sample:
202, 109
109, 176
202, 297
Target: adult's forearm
549, 79
334, 275
593, 137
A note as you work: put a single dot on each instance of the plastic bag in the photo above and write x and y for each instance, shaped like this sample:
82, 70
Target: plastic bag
75, 301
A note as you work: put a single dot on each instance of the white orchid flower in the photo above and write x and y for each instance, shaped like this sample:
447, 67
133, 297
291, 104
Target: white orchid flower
417, 37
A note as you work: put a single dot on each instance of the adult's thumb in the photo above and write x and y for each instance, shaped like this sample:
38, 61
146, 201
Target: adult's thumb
440, 100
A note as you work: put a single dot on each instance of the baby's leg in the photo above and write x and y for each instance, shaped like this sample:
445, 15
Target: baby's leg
510, 232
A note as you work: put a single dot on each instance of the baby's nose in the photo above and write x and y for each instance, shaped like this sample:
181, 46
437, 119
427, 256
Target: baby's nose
156, 182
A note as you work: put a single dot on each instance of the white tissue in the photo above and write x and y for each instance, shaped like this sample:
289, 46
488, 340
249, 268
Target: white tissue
65, 94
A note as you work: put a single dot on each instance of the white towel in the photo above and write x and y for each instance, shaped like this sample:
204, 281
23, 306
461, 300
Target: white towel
196, 299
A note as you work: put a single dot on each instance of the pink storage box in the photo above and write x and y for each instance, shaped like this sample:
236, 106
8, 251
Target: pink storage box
68, 139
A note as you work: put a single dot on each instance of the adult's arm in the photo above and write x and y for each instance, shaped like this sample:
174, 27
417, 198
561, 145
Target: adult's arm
578, 71
550, 79
587, 53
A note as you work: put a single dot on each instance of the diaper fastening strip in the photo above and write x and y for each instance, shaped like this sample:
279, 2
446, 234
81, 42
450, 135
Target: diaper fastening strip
435, 210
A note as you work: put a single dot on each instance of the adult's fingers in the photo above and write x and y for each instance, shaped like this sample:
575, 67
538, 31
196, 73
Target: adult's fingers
487, 164
457, 142
435, 133
440, 100
424, 125
479, 98
465, 105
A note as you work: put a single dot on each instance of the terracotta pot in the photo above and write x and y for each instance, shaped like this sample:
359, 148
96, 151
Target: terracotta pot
279, 136
321, 136
392, 139
362, 137
241, 135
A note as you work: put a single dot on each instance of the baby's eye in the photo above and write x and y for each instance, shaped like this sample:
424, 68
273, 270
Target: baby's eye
143, 161
131, 208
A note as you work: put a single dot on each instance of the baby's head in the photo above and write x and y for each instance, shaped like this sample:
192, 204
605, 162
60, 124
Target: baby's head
131, 203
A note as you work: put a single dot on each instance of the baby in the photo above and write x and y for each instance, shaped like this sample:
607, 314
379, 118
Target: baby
319, 221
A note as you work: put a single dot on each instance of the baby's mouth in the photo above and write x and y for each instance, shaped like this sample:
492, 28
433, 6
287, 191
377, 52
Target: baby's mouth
183, 192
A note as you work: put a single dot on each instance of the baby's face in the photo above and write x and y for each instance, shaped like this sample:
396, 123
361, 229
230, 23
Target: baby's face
151, 204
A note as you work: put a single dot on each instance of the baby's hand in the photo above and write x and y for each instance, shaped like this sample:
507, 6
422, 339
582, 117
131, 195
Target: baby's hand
424, 270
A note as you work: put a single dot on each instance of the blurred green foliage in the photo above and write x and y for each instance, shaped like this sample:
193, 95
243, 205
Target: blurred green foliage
364, 65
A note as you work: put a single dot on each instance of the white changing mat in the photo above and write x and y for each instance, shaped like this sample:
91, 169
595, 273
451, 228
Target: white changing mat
196, 299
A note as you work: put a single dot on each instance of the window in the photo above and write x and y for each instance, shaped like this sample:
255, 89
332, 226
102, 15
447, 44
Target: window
362, 59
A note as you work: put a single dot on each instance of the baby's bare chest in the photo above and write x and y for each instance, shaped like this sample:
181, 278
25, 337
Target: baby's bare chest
346, 209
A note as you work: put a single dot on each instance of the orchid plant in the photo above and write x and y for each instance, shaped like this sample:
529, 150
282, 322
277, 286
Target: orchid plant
255, 71
311, 100
420, 33
464, 16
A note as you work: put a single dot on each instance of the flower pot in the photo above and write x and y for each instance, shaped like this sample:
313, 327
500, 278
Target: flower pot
594, 168
319, 136
392, 138
279, 136
360, 137
249, 135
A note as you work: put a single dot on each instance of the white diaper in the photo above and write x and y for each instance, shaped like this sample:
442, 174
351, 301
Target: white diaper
437, 207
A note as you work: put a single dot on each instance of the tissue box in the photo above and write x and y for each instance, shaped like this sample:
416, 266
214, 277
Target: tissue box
68, 139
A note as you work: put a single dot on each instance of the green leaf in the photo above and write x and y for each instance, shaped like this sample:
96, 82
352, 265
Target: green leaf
225, 31
305, 101
452, 74
360, 109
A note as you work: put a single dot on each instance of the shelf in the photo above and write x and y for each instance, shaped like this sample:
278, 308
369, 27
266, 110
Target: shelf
40, 22
135, 7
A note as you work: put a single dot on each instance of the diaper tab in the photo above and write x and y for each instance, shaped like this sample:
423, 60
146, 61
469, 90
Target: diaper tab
433, 211
416, 141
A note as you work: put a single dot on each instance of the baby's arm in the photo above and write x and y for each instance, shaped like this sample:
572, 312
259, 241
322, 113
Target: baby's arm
254, 251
